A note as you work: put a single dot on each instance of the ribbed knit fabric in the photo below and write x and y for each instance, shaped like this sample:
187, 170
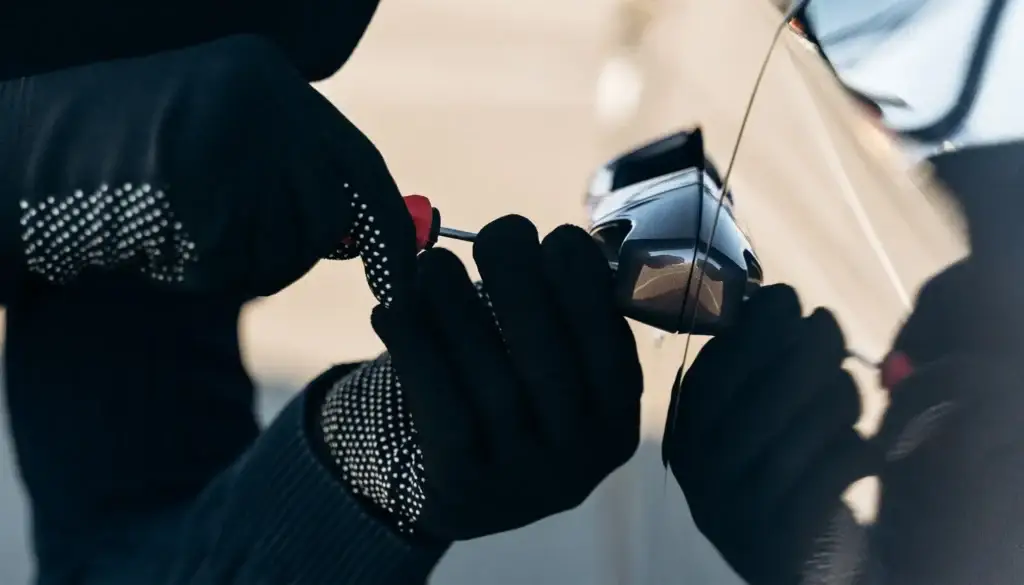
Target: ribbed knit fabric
279, 516
124, 402
136, 439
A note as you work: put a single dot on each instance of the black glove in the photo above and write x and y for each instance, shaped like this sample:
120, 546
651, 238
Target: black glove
760, 437
950, 511
212, 169
492, 412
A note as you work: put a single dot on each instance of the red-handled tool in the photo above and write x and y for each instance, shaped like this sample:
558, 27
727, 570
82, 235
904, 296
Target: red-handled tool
427, 220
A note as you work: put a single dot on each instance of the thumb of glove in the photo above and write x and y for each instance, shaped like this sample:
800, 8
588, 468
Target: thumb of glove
383, 235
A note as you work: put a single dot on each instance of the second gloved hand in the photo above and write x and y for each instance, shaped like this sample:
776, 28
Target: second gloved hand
951, 511
760, 437
493, 409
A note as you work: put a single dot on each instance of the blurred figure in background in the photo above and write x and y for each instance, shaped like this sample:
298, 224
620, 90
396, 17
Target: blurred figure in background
941, 75
761, 432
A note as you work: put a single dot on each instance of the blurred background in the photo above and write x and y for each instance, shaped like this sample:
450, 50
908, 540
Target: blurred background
507, 107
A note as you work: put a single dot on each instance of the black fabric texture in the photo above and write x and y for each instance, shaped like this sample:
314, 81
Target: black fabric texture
985, 182
215, 168
950, 511
132, 416
523, 405
122, 402
317, 36
760, 436
373, 443
279, 516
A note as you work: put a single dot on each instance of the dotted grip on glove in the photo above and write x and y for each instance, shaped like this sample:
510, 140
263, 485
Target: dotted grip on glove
372, 439
364, 240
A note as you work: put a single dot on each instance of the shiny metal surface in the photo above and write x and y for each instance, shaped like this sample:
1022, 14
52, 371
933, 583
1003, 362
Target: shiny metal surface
457, 234
657, 235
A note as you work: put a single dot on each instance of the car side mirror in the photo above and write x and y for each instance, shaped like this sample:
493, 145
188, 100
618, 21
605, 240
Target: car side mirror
656, 228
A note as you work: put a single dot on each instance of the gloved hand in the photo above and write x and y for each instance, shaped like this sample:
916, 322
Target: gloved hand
491, 411
950, 511
760, 437
970, 308
210, 169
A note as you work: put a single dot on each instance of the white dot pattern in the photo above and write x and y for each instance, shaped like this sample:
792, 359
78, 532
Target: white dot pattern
371, 435
107, 227
365, 241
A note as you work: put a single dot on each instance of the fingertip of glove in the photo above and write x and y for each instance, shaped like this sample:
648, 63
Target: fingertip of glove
570, 244
439, 268
506, 235
381, 318
509, 225
438, 259
778, 298
936, 325
825, 334
776, 307
568, 234
401, 329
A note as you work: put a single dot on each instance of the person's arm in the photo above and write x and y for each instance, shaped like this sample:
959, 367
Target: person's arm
764, 443
951, 510
137, 444
280, 515
215, 168
497, 405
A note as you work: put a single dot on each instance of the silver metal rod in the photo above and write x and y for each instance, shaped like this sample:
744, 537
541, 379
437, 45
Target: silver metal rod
457, 234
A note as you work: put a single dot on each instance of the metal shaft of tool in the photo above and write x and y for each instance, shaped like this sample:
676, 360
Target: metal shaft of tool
457, 234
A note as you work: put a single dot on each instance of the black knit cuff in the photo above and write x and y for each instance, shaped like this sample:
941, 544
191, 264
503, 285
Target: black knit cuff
303, 526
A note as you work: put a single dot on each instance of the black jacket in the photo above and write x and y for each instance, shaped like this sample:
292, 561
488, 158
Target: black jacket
133, 421
210, 168
129, 404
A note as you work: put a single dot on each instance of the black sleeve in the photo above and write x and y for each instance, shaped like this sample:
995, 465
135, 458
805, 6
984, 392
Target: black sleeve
211, 168
317, 36
984, 183
133, 421
950, 511
279, 516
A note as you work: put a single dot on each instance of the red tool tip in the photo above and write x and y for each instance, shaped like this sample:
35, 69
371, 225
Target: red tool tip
895, 368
